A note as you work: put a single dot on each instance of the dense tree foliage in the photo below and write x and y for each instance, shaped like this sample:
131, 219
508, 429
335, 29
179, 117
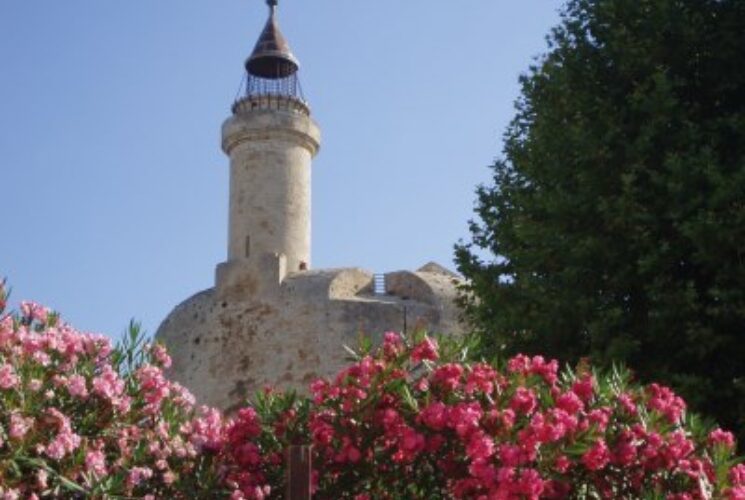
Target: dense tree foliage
615, 223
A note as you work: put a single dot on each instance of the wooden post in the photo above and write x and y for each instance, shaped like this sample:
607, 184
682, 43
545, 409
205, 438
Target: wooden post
298, 472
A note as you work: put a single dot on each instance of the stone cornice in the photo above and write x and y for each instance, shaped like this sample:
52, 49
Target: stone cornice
270, 125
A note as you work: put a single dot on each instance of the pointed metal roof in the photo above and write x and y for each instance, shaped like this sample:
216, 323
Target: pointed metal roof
272, 57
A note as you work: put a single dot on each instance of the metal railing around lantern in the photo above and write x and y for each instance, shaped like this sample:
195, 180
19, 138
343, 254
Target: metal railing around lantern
271, 93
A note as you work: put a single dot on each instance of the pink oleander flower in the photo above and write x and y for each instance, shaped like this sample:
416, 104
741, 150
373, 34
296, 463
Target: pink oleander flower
410, 444
318, 389
570, 402
41, 358
482, 378
625, 450
169, 477
137, 475
666, 402
536, 365
97, 346
736, 493
244, 426
19, 425
426, 349
6, 332
465, 418
33, 342
507, 418
695, 469
66, 441
597, 457
160, 355
524, 401
392, 345
483, 470
8, 377
530, 484
585, 388
448, 376
737, 475
719, 437
511, 455
182, 396
208, 431
562, 464
349, 453
63, 444
600, 418
34, 311
155, 387
390, 419
95, 463
109, 386
76, 386
42, 478
548, 370
321, 430
678, 447
569, 423
549, 428
627, 403
519, 364
359, 374
480, 447
435, 416
422, 385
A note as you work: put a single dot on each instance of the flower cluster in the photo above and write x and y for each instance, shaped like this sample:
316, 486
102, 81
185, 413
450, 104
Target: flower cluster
79, 417
410, 419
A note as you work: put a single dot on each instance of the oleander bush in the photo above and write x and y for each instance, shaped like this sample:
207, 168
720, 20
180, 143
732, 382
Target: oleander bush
412, 418
415, 420
80, 418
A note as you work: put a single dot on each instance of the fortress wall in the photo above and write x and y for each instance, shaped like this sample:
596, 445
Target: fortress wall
225, 350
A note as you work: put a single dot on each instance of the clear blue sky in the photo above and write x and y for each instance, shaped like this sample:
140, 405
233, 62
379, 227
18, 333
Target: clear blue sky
114, 188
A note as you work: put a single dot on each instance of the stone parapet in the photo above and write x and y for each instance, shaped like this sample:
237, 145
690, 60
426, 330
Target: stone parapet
227, 346
259, 125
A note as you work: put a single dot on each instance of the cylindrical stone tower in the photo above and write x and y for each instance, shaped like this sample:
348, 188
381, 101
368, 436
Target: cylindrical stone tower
271, 140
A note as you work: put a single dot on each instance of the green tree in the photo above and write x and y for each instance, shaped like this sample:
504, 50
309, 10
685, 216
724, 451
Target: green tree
615, 224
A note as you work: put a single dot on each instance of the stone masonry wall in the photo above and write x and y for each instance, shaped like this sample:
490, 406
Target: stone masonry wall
225, 348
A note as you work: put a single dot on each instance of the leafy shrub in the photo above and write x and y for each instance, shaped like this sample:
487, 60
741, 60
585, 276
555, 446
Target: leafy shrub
417, 421
80, 418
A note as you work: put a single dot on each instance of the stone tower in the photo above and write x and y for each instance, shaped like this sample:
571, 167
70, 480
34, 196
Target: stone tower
270, 319
270, 139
